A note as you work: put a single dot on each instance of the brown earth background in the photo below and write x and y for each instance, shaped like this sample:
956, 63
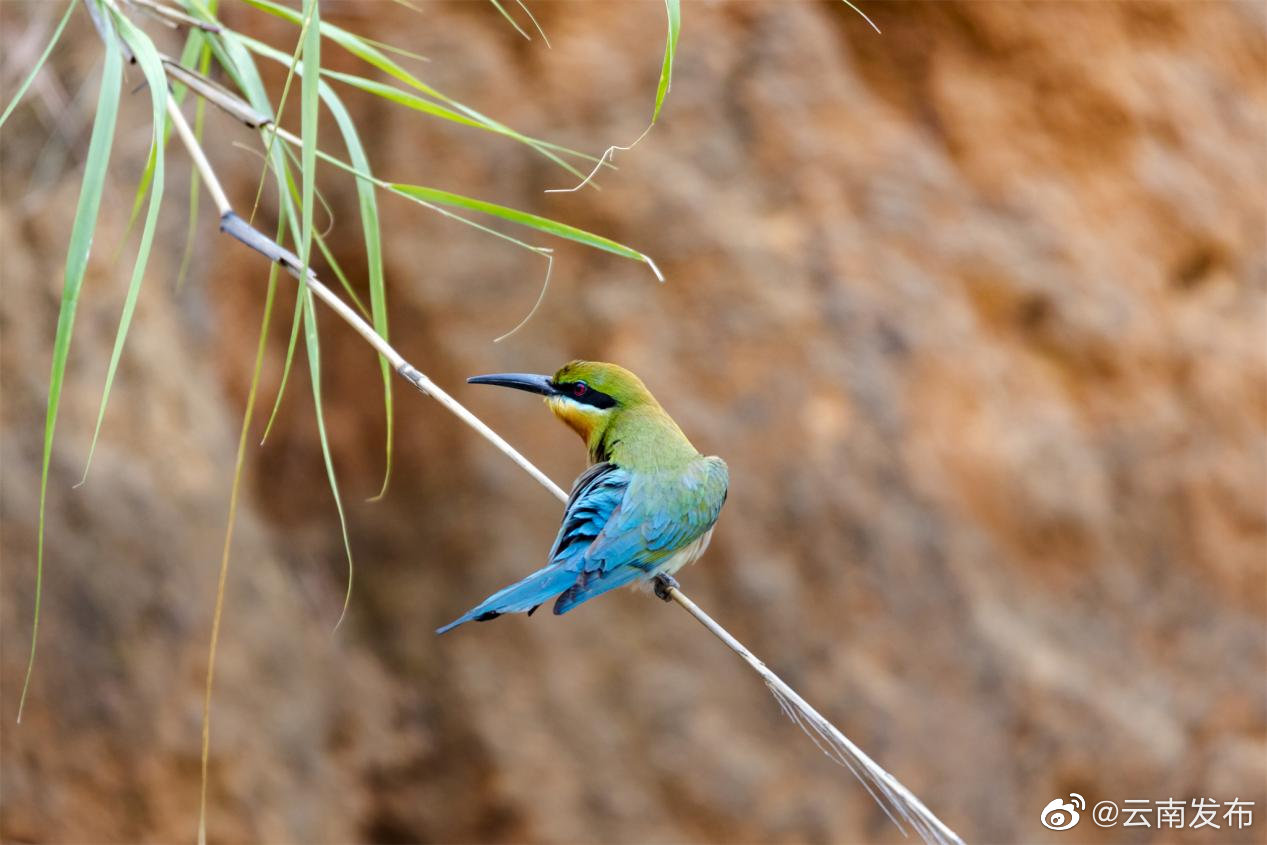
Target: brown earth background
976, 310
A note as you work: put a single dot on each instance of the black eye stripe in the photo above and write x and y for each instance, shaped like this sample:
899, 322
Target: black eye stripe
589, 396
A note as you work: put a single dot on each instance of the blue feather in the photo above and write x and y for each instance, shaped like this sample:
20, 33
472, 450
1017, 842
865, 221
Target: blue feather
595, 495
618, 527
540, 586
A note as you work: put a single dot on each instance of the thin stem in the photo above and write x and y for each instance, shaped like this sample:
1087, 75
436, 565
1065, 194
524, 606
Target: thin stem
199, 157
839, 747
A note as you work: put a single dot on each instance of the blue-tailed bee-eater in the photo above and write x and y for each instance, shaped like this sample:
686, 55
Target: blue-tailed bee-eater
645, 507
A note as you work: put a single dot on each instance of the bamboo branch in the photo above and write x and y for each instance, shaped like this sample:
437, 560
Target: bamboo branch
889, 793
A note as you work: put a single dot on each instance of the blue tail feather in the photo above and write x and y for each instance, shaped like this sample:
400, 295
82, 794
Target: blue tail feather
584, 590
522, 597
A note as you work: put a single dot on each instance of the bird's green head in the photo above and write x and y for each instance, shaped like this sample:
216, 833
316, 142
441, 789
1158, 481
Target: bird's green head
590, 396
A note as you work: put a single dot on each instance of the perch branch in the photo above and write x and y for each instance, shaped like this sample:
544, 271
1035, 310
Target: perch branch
889, 793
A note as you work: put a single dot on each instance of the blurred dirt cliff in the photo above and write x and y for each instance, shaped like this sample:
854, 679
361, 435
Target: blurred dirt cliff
975, 310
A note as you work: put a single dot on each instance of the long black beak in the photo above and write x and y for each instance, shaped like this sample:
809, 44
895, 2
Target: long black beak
519, 381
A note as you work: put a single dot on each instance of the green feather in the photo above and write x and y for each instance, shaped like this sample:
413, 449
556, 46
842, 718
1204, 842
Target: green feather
634, 433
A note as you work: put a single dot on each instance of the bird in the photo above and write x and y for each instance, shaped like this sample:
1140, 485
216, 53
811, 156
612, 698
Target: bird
644, 508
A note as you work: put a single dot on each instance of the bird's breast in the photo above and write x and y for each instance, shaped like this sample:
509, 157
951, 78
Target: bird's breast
689, 553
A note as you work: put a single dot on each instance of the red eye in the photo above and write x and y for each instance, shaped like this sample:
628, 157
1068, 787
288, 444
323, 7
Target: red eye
580, 389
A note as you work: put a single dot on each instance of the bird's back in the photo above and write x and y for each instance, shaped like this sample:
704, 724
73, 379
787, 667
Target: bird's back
653, 520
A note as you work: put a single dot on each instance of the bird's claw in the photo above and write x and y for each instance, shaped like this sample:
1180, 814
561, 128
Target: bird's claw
664, 583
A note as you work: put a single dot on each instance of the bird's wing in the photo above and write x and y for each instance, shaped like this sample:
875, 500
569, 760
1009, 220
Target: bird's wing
692, 511
657, 516
596, 494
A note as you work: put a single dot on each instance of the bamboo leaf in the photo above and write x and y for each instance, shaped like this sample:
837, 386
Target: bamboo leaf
533, 18
310, 37
39, 63
291, 63
310, 98
314, 367
674, 10
425, 106
320, 241
193, 45
254, 88
76, 264
411, 101
523, 218
354, 45
378, 59
435, 200
138, 199
235, 56
295, 325
505, 14
240, 66
152, 67
372, 234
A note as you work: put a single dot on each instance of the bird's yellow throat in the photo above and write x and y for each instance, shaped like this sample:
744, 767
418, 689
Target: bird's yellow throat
585, 420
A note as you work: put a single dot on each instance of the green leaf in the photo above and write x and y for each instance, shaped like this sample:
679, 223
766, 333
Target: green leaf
76, 264
372, 234
237, 61
416, 103
193, 44
314, 367
156, 78
311, 36
435, 199
354, 45
533, 18
291, 64
251, 84
377, 58
673, 7
138, 199
309, 101
412, 101
39, 63
240, 66
420, 104
295, 325
393, 49
505, 14
320, 241
523, 218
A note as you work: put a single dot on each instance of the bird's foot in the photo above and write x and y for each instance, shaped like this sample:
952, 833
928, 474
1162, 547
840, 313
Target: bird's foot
664, 583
